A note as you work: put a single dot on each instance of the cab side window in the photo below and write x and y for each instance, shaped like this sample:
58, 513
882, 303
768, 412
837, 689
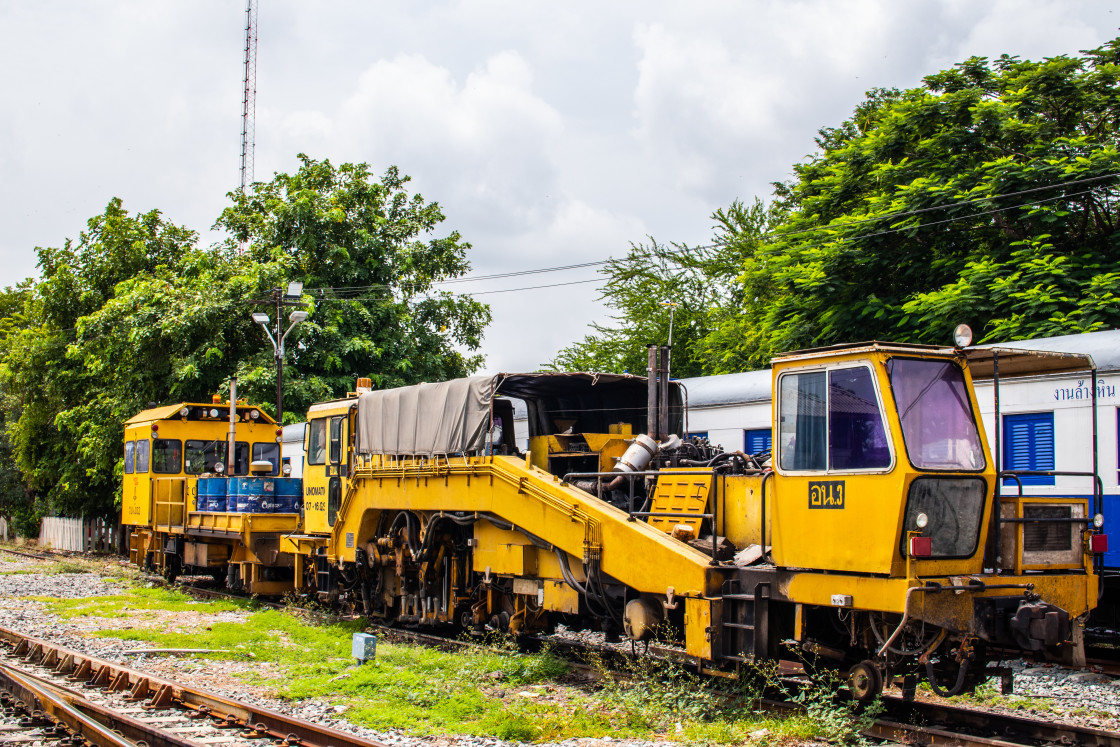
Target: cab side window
317, 441
336, 439
831, 420
803, 424
142, 455
129, 457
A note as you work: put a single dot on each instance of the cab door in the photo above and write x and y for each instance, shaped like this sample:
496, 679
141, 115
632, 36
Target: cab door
336, 465
324, 471
836, 502
136, 501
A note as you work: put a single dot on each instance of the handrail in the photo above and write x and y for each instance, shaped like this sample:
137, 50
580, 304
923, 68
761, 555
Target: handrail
1017, 475
713, 500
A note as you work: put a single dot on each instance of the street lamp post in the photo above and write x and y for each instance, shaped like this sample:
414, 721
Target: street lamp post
672, 310
277, 340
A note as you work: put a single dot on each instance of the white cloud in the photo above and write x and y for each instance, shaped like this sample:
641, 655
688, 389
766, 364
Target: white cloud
550, 134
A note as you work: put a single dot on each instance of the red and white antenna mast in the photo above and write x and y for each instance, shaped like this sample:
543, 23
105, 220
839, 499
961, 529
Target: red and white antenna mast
249, 102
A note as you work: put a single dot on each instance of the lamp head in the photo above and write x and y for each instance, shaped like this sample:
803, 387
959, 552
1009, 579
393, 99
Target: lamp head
261, 318
297, 316
962, 335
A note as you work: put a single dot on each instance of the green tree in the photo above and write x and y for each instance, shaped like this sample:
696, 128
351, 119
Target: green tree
16, 505
639, 287
135, 312
987, 196
367, 254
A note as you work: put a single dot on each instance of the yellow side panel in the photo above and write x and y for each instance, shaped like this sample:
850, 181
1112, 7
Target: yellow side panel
169, 500
681, 494
539, 449
740, 510
315, 483
503, 551
838, 522
698, 627
559, 597
136, 505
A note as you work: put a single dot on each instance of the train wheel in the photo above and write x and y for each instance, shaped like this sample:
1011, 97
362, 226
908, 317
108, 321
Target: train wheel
865, 681
172, 567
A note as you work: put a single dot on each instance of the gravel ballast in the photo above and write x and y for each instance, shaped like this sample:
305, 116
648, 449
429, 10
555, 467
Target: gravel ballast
1083, 697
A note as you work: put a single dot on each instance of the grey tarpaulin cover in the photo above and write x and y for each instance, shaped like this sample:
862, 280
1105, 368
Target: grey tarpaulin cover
444, 418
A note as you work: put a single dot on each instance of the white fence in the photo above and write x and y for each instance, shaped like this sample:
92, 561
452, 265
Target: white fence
77, 535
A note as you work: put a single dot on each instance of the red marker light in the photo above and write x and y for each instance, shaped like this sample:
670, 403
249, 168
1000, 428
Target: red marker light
921, 547
1098, 543
279, 431
155, 428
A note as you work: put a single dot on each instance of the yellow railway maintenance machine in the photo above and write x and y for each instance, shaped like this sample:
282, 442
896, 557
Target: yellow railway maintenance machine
869, 539
172, 451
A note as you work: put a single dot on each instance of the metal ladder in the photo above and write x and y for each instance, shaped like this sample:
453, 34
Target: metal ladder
745, 623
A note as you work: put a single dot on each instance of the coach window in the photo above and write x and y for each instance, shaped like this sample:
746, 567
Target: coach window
142, 455
268, 452
336, 440
129, 456
831, 420
167, 456
317, 441
756, 440
1028, 444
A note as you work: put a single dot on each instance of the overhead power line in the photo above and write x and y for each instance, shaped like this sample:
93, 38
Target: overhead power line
340, 293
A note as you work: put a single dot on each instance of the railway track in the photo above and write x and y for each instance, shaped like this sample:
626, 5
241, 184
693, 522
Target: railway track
71, 698
927, 723
920, 722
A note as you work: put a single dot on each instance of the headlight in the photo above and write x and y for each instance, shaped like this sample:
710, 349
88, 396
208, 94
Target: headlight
921, 520
254, 414
214, 412
219, 468
962, 335
1098, 521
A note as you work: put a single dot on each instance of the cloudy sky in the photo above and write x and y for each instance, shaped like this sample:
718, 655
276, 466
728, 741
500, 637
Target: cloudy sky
551, 134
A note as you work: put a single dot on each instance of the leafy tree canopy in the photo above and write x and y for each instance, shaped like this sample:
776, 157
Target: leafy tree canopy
135, 312
655, 284
988, 196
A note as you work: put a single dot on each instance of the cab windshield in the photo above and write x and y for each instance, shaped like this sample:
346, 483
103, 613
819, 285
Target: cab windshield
938, 424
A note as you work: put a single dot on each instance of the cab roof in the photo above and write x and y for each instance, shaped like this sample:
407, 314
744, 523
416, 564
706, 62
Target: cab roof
167, 412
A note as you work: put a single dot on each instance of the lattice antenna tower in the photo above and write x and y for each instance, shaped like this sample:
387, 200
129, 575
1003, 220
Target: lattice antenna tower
249, 102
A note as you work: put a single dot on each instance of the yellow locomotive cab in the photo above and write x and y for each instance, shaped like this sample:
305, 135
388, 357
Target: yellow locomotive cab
168, 452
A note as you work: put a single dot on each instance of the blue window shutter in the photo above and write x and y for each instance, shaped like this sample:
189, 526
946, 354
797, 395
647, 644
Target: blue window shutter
756, 440
1029, 445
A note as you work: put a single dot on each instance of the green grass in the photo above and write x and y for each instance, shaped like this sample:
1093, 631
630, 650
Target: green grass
130, 602
494, 691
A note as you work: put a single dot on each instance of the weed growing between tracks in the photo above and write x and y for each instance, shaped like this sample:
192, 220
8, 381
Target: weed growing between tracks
494, 691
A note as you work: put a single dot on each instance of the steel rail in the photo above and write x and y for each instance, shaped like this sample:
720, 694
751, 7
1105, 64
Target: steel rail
902, 721
911, 722
1010, 728
162, 693
95, 724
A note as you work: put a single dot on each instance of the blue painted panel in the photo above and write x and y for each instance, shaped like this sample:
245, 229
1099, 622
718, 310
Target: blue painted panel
1112, 529
756, 440
1029, 444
